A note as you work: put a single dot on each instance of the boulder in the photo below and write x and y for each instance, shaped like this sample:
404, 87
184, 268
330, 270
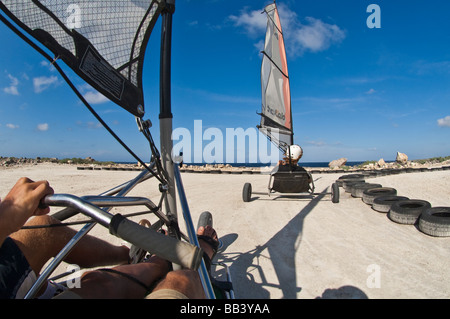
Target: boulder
401, 158
337, 163
381, 163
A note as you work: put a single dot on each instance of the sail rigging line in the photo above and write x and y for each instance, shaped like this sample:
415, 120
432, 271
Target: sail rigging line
77, 92
274, 23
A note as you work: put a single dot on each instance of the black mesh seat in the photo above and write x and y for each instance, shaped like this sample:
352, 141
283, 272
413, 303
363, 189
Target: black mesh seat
291, 180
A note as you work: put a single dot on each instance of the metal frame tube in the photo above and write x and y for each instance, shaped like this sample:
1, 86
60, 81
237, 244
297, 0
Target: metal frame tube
203, 272
165, 115
72, 210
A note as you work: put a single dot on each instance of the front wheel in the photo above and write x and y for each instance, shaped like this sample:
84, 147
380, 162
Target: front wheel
247, 192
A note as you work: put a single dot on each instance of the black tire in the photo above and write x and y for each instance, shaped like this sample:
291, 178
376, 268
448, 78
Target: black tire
350, 177
435, 222
358, 189
383, 204
348, 184
407, 212
370, 194
335, 193
247, 192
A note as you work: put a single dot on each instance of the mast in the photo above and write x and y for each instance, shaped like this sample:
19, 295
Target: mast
165, 116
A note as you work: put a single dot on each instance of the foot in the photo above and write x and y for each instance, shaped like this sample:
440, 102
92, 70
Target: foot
207, 231
136, 254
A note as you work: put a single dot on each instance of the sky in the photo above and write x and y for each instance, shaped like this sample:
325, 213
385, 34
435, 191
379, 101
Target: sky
363, 86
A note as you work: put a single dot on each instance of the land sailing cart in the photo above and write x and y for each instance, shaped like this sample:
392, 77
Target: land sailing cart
104, 43
276, 117
289, 180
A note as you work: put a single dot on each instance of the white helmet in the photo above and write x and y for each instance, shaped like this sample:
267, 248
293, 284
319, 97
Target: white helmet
295, 152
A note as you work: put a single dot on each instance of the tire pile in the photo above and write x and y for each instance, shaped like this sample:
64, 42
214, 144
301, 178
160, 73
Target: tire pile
433, 221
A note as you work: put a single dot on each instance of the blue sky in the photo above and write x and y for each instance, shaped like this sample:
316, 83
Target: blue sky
357, 92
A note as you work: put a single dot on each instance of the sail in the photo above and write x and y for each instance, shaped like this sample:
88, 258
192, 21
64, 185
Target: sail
103, 42
276, 118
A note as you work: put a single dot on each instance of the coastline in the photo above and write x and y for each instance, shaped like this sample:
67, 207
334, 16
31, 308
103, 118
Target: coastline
293, 247
369, 167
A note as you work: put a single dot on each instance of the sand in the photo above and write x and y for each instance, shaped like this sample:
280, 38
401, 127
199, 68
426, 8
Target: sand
295, 247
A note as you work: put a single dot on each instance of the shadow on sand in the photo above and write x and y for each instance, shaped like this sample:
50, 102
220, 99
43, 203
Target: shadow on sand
244, 264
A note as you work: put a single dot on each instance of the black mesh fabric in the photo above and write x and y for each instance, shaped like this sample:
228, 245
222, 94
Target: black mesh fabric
102, 41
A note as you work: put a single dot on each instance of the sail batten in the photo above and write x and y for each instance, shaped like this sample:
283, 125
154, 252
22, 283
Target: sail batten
276, 117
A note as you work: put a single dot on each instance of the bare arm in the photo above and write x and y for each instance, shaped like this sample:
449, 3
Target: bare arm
20, 204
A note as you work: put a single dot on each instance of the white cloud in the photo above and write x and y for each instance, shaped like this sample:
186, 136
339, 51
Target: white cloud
314, 35
42, 127
317, 143
91, 95
95, 97
12, 126
12, 89
42, 83
90, 125
444, 122
371, 91
253, 22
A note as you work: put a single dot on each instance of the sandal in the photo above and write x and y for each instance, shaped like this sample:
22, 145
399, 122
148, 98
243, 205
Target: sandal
137, 254
206, 220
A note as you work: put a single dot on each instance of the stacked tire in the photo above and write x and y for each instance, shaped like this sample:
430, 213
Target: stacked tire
370, 194
408, 211
433, 221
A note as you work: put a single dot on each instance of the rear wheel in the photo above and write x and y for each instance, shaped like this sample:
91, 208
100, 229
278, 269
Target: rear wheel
335, 193
247, 192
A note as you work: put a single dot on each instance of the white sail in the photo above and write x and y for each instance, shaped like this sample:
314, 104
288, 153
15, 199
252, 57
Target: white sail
276, 118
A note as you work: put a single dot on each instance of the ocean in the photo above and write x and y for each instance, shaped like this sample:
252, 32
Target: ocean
304, 164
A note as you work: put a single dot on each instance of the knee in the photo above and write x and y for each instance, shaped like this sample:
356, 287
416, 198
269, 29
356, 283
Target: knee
42, 220
98, 279
42, 233
185, 281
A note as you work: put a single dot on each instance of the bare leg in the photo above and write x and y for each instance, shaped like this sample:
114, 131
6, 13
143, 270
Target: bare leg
99, 284
187, 281
39, 245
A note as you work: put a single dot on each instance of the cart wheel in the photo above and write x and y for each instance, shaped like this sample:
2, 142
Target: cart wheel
335, 193
247, 192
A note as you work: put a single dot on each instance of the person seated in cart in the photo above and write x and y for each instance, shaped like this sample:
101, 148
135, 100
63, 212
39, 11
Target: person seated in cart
23, 253
283, 174
290, 161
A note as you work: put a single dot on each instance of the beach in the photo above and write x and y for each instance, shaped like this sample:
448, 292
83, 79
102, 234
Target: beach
294, 247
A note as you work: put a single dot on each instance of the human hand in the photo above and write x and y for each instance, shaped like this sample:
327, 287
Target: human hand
23, 201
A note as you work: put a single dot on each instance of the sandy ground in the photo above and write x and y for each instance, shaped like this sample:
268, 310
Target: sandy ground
296, 247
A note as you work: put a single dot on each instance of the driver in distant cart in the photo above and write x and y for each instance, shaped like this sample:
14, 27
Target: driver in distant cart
290, 161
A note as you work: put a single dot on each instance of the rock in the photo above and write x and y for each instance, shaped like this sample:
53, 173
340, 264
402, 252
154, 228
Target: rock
381, 163
401, 158
337, 163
